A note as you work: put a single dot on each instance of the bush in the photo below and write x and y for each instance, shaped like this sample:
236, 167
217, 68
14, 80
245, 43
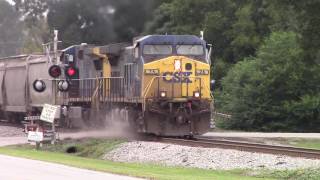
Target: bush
264, 92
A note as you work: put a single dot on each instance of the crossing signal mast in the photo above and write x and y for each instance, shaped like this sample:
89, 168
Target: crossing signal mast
57, 69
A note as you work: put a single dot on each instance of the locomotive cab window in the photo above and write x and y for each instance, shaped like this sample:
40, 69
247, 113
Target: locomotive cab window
157, 49
195, 50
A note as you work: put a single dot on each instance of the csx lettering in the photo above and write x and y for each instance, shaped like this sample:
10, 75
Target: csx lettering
177, 77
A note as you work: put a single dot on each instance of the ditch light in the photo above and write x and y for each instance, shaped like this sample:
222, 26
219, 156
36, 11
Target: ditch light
196, 94
163, 94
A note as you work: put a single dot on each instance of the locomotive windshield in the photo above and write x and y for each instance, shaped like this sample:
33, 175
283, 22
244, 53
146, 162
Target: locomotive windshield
157, 49
195, 50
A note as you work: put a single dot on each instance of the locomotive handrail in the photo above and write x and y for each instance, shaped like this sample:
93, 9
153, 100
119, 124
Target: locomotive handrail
92, 90
146, 92
95, 93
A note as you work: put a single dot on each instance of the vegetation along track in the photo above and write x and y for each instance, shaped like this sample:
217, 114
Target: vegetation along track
246, 146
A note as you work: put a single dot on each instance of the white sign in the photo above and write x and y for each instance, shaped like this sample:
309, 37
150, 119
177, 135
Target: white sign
35, 136
30, 118
48, 113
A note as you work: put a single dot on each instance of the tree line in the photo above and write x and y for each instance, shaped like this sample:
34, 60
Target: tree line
266, 59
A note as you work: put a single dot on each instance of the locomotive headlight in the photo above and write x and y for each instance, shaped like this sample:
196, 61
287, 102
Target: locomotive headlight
196, 94
177, 65
163, 94
63, 85
39, 85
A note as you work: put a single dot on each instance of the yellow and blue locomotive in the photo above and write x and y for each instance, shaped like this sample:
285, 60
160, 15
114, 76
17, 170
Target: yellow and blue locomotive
175, 84
161, 83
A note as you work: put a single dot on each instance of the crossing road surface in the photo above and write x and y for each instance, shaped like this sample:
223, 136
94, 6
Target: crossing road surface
12, 168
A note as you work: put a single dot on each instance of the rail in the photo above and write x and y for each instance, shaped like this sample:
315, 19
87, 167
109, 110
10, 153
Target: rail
246, 146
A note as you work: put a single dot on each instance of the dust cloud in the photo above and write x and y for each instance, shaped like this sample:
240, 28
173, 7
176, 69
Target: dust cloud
113, 124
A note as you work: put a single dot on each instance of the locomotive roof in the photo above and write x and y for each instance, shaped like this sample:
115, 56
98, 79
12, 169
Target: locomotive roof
170, 39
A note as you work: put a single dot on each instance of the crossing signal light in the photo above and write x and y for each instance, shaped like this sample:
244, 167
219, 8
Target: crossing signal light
39, 85
71, 72
63, 85
55, 71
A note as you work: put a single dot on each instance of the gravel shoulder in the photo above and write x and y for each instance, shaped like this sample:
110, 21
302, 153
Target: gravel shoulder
10, 135
206, 158
11, 131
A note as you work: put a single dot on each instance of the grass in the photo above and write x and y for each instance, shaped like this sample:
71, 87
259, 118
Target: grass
89, 153
300, 174
91, 148
305, 143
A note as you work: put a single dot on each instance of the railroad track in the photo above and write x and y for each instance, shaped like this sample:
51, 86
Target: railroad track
245, 146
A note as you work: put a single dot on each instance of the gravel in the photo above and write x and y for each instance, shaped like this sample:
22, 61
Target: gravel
207, 158
11, 131
10, 135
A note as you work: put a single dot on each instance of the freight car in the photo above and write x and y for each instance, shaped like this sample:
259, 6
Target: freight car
159, 84
17, 96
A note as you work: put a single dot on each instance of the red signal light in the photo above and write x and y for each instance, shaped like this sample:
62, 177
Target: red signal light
71, 71
55, 71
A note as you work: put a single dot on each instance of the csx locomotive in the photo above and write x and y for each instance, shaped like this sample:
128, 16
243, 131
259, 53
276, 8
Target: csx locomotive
159, 84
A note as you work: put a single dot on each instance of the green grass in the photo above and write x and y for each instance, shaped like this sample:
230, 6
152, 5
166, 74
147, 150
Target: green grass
301, 174
92, 148
306, 143
149, 171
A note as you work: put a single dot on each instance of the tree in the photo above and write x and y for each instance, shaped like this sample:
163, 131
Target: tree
129, 18
81, 22
259, 91
11, 34
95, 22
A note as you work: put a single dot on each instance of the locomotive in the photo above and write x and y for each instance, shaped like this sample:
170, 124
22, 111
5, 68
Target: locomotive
159, 84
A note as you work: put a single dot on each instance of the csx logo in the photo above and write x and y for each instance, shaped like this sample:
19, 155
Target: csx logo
177, 77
